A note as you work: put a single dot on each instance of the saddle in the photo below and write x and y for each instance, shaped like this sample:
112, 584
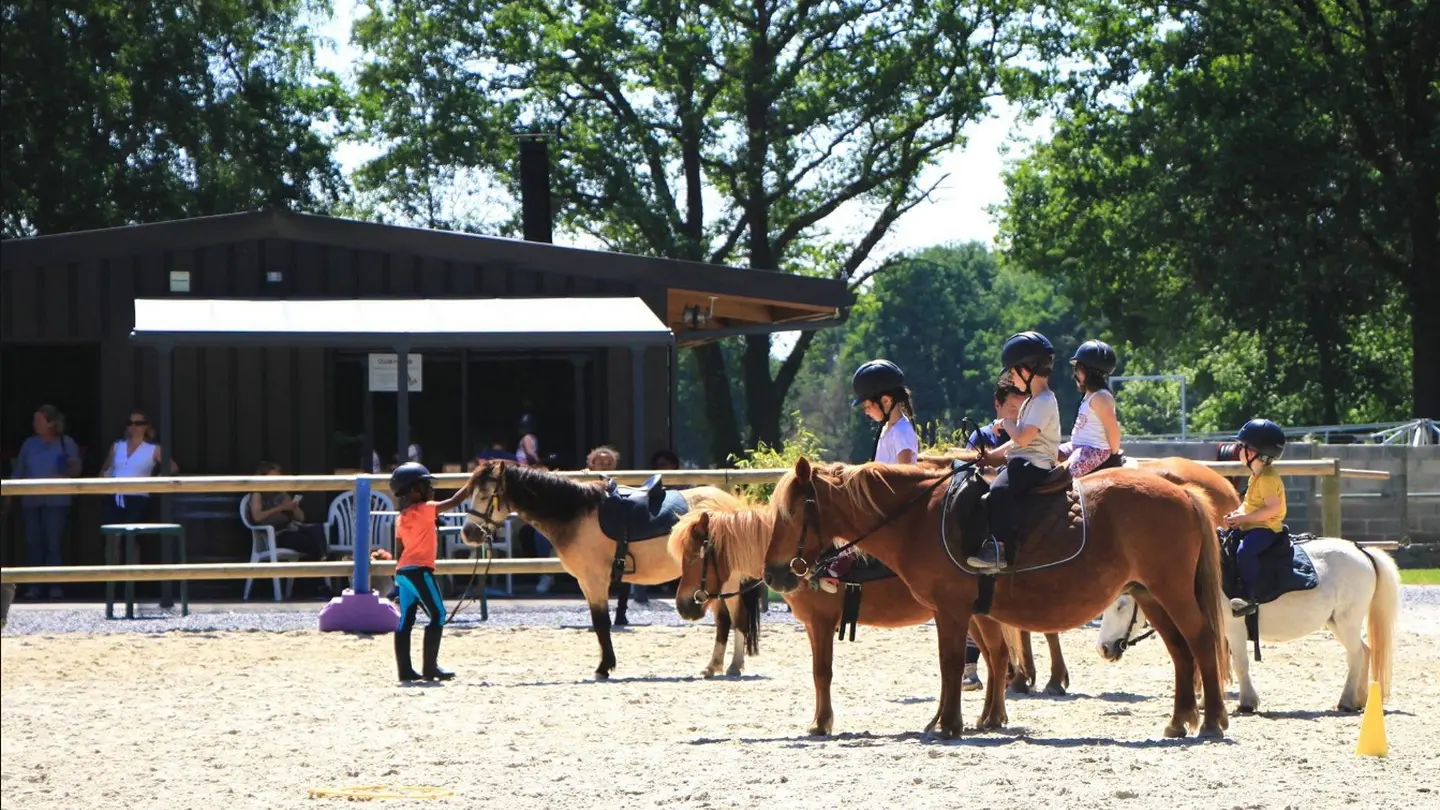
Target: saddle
1051, 530
639, 513
1284, 567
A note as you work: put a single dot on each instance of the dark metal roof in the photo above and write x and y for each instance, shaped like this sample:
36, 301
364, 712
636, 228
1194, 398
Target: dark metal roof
491, 323
200, 232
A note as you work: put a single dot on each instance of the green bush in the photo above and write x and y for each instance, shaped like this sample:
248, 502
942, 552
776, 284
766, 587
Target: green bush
764, 457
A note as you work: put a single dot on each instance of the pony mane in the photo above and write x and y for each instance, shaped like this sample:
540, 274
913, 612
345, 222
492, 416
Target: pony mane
548, 497
740, 535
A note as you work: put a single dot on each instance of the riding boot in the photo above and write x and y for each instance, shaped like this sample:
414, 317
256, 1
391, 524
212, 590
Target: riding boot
402, 657
433, 670
1243, 607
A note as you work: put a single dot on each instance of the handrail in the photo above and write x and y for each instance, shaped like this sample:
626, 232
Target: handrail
335, 483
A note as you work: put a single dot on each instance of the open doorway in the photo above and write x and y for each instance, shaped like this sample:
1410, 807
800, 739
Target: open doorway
68, 377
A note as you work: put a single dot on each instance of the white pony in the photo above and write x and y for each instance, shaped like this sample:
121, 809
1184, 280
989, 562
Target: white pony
1353, 584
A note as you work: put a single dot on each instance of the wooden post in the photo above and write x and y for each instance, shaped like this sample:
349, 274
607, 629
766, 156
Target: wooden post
1330, 503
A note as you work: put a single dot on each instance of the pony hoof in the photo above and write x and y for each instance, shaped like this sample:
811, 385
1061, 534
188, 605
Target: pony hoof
1175, 731
707, 674
1243, 709
733, 672
1345, 708
602, 675
1018, 688
1055, 689
819, 731
1211, 732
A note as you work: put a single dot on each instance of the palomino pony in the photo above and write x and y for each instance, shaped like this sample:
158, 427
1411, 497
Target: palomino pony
1133, 527
720, 549
1354, 586
569, 514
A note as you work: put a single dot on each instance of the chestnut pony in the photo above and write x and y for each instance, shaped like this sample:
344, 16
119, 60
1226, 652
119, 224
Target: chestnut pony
720, 550
567, 512
1140, 529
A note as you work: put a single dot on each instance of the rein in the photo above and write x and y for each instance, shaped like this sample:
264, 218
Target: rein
801, 568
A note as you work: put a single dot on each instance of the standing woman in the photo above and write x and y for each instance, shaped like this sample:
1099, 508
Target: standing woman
47, 454
134, 456
528, 453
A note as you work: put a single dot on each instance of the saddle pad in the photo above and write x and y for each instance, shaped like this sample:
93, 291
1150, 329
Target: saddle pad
1284, 567
629, 519
866, 569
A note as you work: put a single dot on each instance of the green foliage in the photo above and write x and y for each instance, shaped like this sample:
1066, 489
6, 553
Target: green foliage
801, 444
1247, 193
115, 113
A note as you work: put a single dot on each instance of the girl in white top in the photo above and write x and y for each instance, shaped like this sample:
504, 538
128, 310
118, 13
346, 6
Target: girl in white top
1095, 441
880, 391
135, 456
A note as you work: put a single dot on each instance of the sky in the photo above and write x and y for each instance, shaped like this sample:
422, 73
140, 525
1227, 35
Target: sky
957, 211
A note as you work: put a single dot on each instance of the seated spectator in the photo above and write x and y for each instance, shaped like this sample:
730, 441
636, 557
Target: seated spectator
603, 459
664, 460
280, 510
494, 450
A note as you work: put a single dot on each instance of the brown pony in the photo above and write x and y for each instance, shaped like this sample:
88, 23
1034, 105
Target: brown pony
1177, 470
1139, 529
719, 550
567, 513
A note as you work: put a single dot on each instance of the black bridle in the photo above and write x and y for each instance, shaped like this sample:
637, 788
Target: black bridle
1125, 641
708, 561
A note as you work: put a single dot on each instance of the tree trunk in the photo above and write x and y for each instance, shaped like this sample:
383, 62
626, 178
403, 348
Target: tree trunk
719, 406
762, 404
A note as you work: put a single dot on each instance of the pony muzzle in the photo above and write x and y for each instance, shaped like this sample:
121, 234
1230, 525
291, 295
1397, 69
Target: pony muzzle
781, 578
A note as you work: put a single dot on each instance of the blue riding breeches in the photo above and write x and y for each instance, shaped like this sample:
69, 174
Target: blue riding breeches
1247, 557
418, 589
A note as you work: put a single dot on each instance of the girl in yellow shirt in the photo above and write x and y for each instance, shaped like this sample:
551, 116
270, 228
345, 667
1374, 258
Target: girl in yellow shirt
1262, 513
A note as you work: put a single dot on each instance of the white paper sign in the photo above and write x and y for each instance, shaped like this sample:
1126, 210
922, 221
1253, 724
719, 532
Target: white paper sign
382, 372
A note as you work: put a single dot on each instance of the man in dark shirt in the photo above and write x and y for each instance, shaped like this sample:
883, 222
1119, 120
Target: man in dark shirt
1008, 400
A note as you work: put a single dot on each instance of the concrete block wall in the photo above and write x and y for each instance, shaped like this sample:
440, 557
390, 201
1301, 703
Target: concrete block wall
1396, 509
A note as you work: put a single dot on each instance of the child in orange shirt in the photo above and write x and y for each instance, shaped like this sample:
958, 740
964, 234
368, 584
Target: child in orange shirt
416, 532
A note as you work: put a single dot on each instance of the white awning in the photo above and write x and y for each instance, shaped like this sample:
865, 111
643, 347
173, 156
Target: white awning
414, 323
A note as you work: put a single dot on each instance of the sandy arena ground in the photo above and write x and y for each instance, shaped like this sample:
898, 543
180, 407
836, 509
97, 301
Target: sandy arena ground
251, 720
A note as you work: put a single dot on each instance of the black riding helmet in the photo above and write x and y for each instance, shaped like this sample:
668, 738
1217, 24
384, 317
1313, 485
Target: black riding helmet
406, 476
1264, 437
1096, 354
875, 378
1028, 350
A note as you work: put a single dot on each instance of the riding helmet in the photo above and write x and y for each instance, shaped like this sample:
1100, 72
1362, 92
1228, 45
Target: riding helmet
1027, 350
1098, 355
1264, 437
875, 378
406, 476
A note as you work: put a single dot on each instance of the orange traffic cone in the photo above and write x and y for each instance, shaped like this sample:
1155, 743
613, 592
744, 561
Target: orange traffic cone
1372, 727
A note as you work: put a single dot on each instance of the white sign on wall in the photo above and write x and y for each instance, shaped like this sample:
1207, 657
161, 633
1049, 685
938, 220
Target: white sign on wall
382, 372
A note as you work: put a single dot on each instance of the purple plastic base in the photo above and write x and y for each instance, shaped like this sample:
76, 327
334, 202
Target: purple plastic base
352, 612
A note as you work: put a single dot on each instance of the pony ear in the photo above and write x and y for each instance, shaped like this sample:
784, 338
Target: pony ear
803, 471
702, 524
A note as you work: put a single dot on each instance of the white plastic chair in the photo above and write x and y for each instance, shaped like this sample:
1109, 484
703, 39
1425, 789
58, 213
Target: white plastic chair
342, 518
263, 549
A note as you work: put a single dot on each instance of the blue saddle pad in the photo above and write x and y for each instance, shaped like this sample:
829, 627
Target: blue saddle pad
640, 513
1284, 567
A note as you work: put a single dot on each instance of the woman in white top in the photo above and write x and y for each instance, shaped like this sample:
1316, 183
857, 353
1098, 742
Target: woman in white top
880, 391
1095, 442
134, 456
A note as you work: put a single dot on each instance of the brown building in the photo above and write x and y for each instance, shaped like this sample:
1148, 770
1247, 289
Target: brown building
67, 311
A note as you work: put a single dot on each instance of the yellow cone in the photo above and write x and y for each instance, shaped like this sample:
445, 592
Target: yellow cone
1372, 727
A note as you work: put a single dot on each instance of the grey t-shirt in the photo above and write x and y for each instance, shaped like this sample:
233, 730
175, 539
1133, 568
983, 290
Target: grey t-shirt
1044, 450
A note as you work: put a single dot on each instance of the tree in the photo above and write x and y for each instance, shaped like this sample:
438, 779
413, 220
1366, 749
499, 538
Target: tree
116, 113
941, 314
720, 132
1249, 184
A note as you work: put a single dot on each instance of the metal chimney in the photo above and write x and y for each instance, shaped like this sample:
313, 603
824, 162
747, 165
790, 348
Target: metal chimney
535, 207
